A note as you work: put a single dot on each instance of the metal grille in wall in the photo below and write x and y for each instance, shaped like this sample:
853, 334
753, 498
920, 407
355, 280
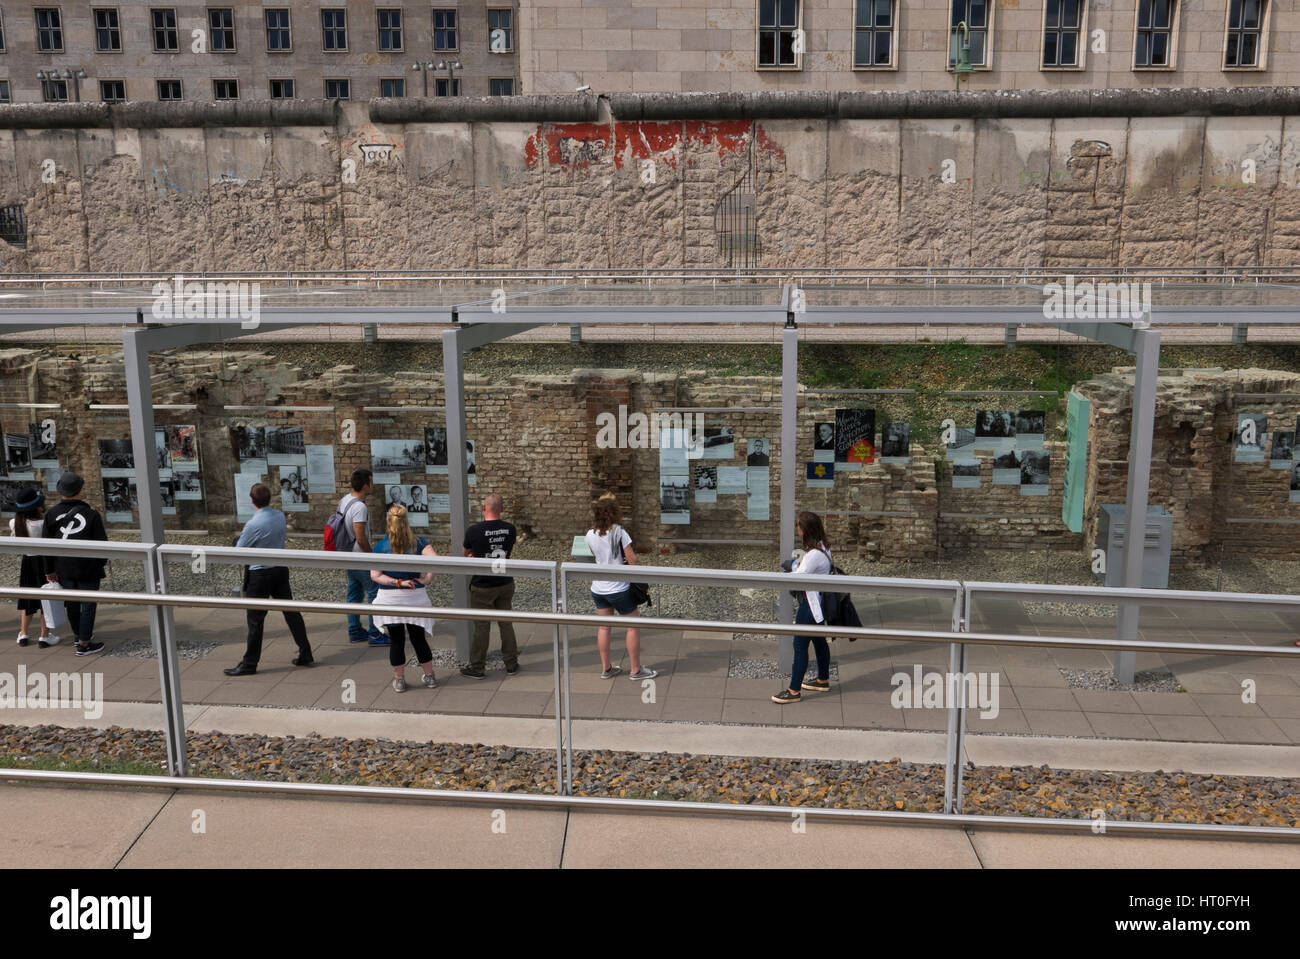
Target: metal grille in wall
736, 224
13, 226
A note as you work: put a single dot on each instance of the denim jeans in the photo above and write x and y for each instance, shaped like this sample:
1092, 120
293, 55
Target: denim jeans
799, 669
81, 616
361, 586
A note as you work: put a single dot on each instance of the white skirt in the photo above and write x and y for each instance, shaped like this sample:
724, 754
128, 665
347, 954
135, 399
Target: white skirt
390, 599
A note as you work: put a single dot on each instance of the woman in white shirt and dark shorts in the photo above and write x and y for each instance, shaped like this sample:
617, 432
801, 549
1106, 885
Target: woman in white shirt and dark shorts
612, 546
816, 560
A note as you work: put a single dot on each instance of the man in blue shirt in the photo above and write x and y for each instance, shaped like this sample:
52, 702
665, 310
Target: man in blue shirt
266, 530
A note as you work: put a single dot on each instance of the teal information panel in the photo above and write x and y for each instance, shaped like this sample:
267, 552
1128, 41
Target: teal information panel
1076, 461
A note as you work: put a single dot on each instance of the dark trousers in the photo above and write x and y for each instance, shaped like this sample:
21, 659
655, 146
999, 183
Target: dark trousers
397, 651
492, 597
271, 583
81, 616
799, 669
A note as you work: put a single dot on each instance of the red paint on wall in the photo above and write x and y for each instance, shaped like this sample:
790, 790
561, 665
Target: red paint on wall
577, 145
530, 148
730, 136
766, 144
647, 140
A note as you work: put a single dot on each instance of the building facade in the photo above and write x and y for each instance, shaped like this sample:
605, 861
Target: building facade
755, 45
255, 51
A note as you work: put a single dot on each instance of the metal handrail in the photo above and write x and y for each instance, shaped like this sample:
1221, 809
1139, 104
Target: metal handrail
1144, 596
91, 549
935, 588
332, 559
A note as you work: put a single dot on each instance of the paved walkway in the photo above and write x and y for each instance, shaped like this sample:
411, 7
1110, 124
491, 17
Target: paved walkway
56, 826
693, 683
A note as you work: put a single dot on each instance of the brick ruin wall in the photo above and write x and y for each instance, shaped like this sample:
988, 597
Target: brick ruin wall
1069, 193
536, 439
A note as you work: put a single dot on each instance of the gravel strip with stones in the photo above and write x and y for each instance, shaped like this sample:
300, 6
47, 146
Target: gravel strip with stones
1006, 791
143, 649
744, 668
1151, 681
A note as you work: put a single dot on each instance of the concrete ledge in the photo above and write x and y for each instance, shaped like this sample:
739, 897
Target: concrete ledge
548, 109
144, 116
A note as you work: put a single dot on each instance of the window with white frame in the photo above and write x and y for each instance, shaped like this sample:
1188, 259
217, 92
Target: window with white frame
282, 89
4, 91
395, 87
221, 30
442, 87
334, 29
112, 91
108, 31
225, 89
1062, 33
390, 30
165, 37
778, 32
501, 34
49, 30
169, 90
1153, 43
338, 90
2, 33
978, 17
873, 33
54, 91
279, 39
501, 87
1244, 38
445, 33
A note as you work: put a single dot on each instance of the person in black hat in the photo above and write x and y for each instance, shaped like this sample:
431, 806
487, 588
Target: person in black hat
74, 519
30, 507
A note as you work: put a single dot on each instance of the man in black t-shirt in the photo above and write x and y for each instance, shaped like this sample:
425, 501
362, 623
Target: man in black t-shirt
493, 538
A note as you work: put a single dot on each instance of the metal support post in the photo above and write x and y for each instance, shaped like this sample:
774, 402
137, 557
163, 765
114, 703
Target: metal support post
162, 625
453, 379
956, 711
1147, 370
789, 479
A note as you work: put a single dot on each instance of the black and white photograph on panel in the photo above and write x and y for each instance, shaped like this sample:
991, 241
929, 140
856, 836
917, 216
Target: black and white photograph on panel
894, 443
119, 499
995, 430
1035, 472
44, 445
294, 489
719, 443
823, 442
1251, 439
186, 481
1295, 483
962, 446
250, 446
389, 459
435, 449
471, 463
414, 497
164, 452
116, 459
674, 500
286, 446
183, 446
758, 453
1006, 469
1030, 427
855, 438
1283, 450
706, 483
965, 474
18, 456
167, 494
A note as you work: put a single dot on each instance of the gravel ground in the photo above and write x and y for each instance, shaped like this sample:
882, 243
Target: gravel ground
764, 668
1016, 791
1151, 681
143, 649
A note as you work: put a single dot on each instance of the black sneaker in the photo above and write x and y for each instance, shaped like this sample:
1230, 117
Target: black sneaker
817, 685
472, 673
785, 696
89, 649
511, 670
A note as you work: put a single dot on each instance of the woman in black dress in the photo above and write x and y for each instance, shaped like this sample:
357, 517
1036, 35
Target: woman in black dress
30, 508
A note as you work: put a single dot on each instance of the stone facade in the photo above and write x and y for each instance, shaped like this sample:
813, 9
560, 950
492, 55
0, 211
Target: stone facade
711, 45
1068, 193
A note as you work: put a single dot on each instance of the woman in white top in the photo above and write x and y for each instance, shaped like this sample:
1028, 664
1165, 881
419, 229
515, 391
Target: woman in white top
28, 522
611, 546
816, 560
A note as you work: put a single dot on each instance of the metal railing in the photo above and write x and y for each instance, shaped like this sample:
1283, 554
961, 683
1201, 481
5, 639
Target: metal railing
161, 603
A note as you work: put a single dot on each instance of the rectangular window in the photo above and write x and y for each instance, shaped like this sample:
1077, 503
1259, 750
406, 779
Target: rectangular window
444, 88
778, 21
501, 34
2, 32
873, 34
338, 90
975, 14
1153, 44
444, 30
221, 30
392, 88
165, 38
225, 89
1062, 25
108, 33
49, 32
334, 25
281, 89
169, 90
54, 91
112, 91
4, 91
503, 87
278, 37
1245, 34
390, 30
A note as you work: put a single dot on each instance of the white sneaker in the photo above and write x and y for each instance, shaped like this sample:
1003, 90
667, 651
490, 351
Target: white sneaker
48, 641
22, 639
